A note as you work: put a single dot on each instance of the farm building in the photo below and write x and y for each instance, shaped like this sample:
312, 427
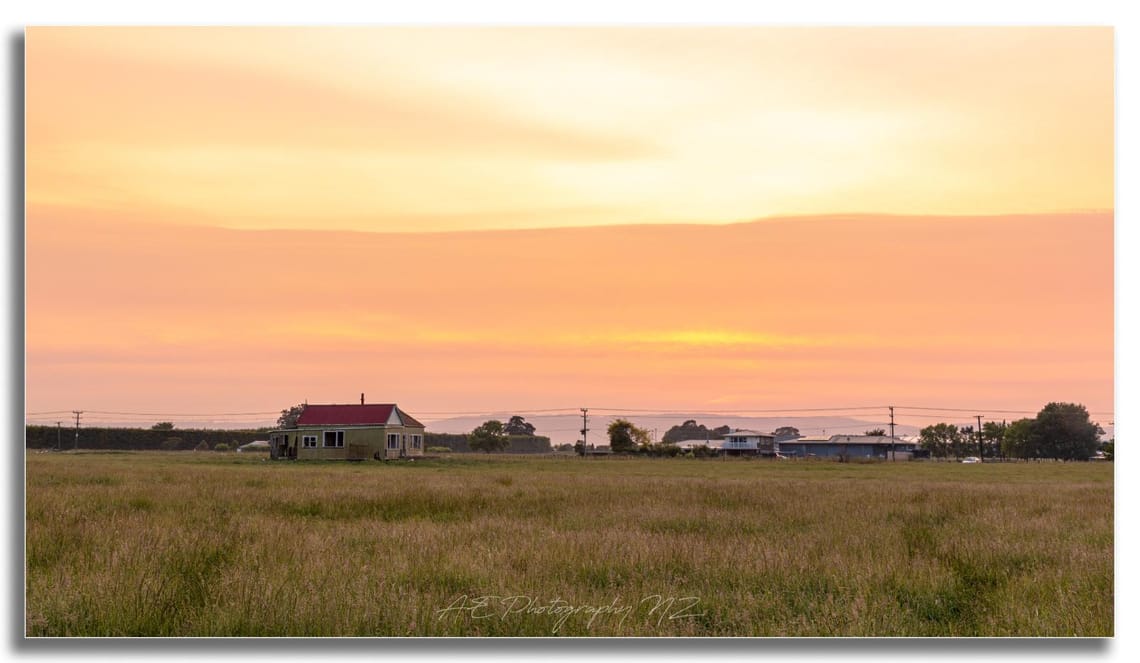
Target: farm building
350, 432
851, 446
712, 443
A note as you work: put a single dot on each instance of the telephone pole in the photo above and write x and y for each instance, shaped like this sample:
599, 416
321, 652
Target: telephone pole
892, 409
77, 413
981, 443
58, 435
584, 429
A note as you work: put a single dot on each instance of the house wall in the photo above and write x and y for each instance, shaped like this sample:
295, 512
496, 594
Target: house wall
360, 442
826, 450
749, 443
830, 450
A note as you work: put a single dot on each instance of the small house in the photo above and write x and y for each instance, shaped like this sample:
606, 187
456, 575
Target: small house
350, 432
741, 442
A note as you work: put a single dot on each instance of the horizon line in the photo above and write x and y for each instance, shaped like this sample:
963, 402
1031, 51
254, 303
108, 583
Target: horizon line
827, 216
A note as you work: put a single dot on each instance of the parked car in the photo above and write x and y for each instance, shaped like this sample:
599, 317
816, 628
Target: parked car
971, 459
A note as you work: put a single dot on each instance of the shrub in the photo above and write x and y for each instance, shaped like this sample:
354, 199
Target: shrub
202, 446
221, 446
438, 450
703, 451
666, 449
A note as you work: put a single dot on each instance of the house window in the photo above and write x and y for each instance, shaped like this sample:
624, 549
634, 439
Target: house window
416, 439
393, 441
309, 441
334, 438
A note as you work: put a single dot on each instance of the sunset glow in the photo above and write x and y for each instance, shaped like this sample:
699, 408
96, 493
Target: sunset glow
230, 220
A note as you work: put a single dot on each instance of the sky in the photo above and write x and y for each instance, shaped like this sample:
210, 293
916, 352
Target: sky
474, 219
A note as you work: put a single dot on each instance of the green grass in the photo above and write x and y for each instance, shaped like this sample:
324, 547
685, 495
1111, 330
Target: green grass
185, 544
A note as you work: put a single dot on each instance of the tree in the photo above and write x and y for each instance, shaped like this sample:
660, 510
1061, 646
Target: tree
940, 439
1065, 432
786, 433
518, 426
163, 425
875, 432
967, 442
288, 418
993, 432
624, 436
1020, 439
686, 431
491, 436
691, 430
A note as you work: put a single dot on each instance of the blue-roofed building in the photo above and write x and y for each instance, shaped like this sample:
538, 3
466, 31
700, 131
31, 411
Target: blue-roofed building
848, 446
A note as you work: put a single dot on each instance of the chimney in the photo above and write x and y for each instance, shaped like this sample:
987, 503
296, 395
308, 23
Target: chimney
362, 398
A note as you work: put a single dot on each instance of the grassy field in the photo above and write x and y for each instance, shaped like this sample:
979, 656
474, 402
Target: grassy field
212, 544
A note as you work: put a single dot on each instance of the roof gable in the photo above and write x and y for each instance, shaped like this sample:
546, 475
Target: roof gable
409, 420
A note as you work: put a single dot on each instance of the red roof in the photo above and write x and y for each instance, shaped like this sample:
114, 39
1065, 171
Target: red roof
352, 415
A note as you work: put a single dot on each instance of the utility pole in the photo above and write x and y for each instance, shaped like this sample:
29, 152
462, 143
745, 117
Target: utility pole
58, 435
77, 413
892, 409
584, 429
981, 443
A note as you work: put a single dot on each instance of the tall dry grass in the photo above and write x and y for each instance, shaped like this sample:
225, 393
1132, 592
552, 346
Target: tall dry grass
185, 544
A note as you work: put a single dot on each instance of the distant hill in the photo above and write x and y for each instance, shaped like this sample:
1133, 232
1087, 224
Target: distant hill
564, 428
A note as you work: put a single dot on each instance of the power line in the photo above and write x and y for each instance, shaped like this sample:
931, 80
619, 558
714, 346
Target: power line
975, 409
915, 412
518, 411
567, 410
779, 410
187, 414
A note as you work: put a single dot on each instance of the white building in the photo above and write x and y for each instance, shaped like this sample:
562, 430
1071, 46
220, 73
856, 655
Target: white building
749, 442
689, 445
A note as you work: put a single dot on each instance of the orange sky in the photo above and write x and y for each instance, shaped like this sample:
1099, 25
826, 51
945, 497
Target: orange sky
227, 220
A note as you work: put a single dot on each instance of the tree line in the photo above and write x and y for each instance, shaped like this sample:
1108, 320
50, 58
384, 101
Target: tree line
1060, 431
515, 436
158, 438
163, 438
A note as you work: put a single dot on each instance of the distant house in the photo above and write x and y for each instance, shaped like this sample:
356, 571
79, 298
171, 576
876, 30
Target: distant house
741, 442
349, 432
849, 446
689, 445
